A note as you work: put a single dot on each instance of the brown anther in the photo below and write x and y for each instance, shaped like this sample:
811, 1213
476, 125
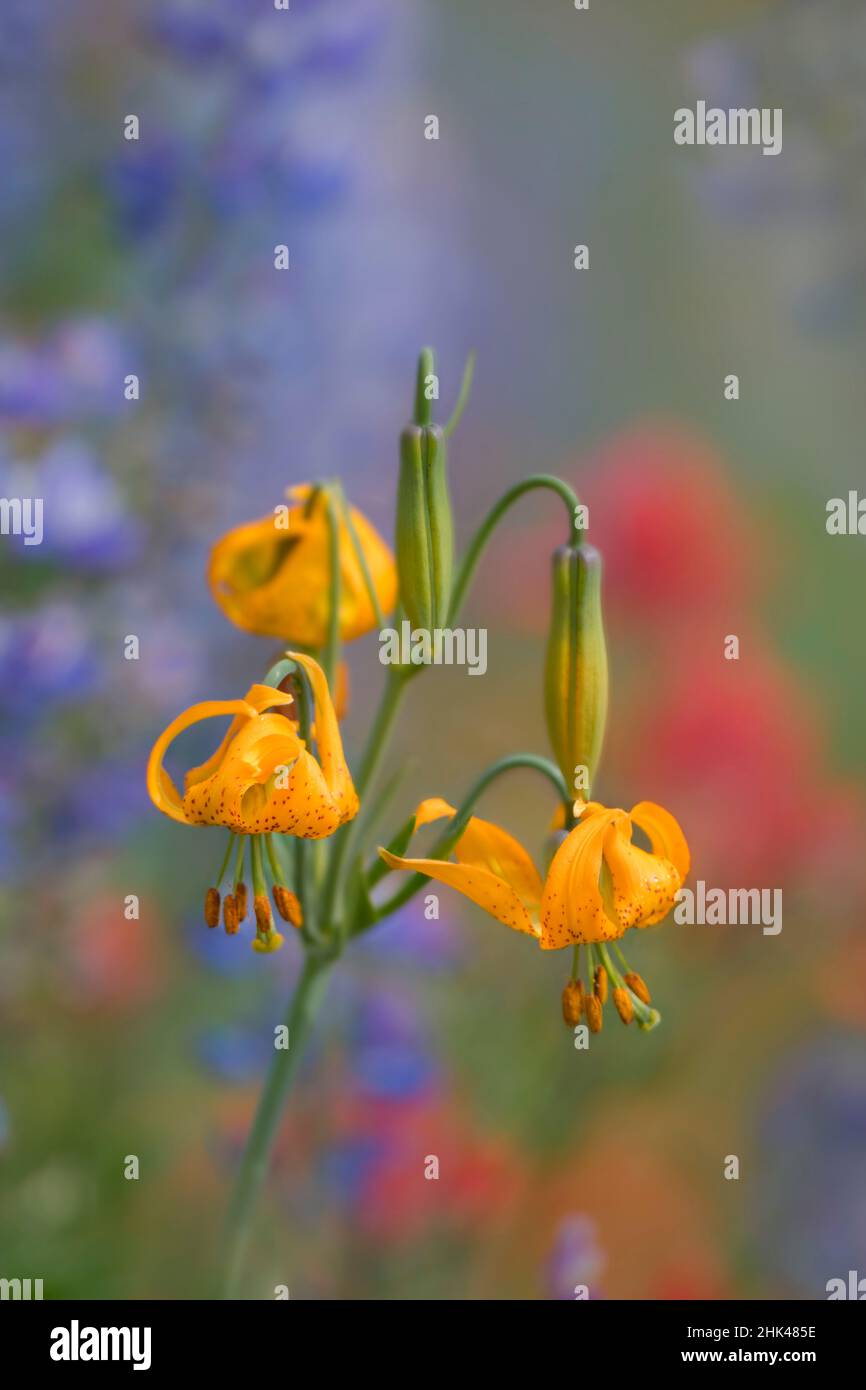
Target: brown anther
592, 1005
624, 1006
241, 901
637, 987
601, 984
572, 1003
288, 906
212, 907
262, 909
230, 914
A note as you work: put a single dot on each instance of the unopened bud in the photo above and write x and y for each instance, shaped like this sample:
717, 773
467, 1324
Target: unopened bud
288, 906
212, 907
424, 529
575, 676
624, 1006
637, 987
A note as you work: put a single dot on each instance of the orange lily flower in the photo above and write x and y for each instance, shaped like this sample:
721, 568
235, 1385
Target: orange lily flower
274, 580
262, 777
598, 885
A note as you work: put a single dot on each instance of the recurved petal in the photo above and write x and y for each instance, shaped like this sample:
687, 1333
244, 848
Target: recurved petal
433, 809
665, 835
478, 884
486, 846
572, 908
161, 789
335, 770
257, 699
644, 885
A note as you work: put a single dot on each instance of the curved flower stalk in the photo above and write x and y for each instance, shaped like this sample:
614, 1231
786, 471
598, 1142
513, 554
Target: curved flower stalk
279, 778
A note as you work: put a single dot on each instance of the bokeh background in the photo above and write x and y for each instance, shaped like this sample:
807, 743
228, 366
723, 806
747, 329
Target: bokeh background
156, 257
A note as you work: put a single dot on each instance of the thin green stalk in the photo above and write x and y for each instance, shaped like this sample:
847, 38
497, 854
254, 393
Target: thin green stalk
345, 838
239, 861
304, 879
449, 838
278, 672
463, 397
359, 555
225, 863
304, 1006
477, 545
331, 654
423, 407
260, 888
276, 867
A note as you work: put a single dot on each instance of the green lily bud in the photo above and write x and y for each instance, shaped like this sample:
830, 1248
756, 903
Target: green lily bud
425, 531
575, 678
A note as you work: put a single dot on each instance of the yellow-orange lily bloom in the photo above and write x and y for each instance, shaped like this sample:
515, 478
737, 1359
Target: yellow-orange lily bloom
274, 580
598, 885
262, 777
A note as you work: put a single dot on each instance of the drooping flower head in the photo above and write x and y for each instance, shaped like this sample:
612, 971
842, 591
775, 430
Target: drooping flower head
262, 777
599, 884
272, 576
262, 780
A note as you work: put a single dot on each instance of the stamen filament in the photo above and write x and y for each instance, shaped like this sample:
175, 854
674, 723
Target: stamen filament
226, 857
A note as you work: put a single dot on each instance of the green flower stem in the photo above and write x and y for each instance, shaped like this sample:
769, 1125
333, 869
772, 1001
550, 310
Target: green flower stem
305, 1004
346, 838
359, 555
477, 545
278, 672
447, 841
331, 653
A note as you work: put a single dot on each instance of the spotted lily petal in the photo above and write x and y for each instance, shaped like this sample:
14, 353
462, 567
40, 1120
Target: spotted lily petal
262, 777
493, 869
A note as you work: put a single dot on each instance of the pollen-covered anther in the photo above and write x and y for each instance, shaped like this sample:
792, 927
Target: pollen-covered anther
262, 909
230, 914
212, 907
288, 905
637, 987
572, 1002
601, 984
594, 1013
241, 901
624, 1006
